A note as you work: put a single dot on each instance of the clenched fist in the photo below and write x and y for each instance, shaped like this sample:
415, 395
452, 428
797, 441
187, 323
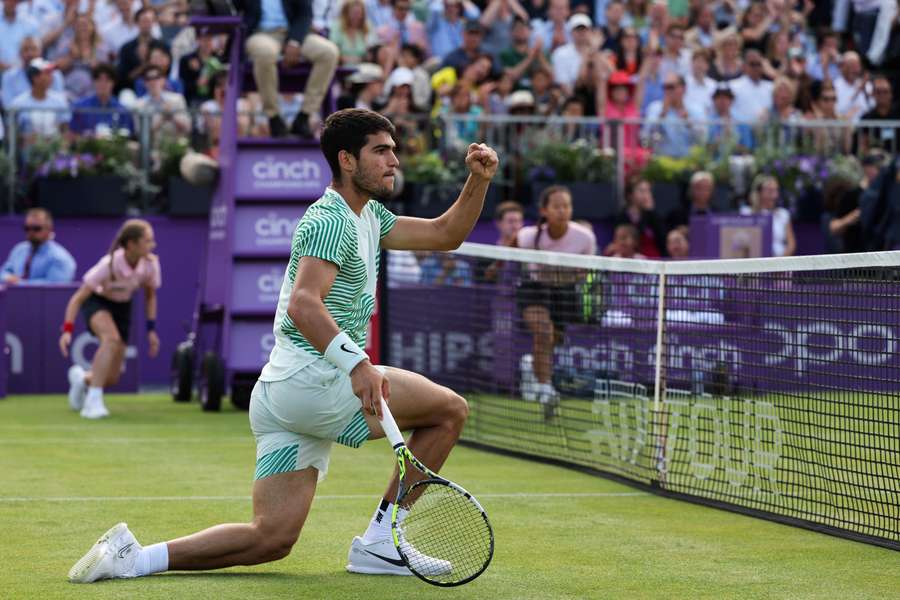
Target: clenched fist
482, 161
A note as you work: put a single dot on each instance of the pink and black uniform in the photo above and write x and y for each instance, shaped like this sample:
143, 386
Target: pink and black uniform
113, 287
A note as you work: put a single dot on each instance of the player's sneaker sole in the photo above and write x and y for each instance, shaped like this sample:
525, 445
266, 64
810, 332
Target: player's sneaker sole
85, 570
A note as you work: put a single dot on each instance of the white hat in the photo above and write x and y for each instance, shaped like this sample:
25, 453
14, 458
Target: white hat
519, 99
399, 76
579, 20
366, 73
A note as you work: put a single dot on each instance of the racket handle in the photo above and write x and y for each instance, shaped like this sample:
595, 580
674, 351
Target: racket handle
390, 426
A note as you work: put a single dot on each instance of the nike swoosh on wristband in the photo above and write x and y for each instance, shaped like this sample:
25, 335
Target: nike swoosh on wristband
346, 350
124, 550
394, 561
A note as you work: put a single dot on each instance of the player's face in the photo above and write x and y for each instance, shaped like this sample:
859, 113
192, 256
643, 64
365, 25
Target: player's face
374, 173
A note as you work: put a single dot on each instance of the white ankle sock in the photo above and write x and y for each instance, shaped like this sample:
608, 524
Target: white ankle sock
94, 396
380, 525
152, 559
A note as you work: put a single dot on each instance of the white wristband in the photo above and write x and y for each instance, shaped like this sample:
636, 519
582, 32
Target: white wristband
343, 353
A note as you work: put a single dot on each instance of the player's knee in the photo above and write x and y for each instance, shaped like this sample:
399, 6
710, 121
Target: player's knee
274, 544
457, 410
111, 338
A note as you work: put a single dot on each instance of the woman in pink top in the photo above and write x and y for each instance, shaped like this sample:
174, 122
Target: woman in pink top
617, 101
548, 298
105, 301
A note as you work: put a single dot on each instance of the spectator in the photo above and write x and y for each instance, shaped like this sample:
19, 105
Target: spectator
782, 119
403, 28
640, 212
725, 133
727, 64
752, 93
508, 219
520, 60
841, 216
168, 109
653, 35
121, 27
41, 111
352, 32
442, 268
15, 80
612, 28
497, 21
445, 25
649, 81
133, 55
161, 57
700, 87
827, 58
277, 27
676, 58
854, 91
702, 34
757, 20
828, 139
366, 86
39, 259
568, 58
672, 126
470, 51
795, 70
13, 29
617, 102
101, 110
775, 59
546, 97
547, 297
462, 131
85, 51
553, 31
764, 200
411, 58
197, 69
379, 12
625, 242
699, 199
628, 56
873, 136
211, 115
678, 243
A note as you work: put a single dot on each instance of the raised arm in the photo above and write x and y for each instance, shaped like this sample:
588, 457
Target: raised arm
449, 230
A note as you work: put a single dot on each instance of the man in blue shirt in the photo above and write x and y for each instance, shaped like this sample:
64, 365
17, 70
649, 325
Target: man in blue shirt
102, 109
15, 80
39, 259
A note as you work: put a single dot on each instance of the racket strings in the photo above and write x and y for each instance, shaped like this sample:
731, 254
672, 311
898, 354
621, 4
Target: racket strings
445, 536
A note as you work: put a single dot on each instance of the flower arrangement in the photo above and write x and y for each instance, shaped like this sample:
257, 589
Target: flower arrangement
429, 167
581, 161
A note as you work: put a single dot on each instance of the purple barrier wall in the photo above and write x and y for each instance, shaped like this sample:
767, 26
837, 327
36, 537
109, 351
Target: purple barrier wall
4, 349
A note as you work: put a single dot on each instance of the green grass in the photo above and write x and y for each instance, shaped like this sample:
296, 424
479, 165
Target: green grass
600, 540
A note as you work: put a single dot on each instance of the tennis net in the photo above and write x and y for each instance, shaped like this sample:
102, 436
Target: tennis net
765, 386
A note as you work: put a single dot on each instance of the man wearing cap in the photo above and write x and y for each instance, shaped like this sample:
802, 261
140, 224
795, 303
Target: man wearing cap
283, 27
724, 131
567, 59
41, 111
471, 49
15, 79
366, 85
445, 25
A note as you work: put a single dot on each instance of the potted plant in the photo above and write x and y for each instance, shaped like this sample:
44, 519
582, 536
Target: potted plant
184, 198
431, 184
588, 172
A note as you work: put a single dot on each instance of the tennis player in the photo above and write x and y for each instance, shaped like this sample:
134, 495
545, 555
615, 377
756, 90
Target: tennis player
104, 299
319, 386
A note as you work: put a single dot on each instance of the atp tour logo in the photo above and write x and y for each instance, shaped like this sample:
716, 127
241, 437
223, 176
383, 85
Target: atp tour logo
268, 286
274, 173
274, 230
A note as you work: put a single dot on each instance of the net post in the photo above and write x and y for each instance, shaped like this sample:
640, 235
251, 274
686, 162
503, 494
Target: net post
659, 418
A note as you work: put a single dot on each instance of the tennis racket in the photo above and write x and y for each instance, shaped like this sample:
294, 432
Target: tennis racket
440, 530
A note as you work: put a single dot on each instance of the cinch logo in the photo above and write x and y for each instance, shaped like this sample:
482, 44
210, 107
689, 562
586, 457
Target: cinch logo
299, 170
273, 226
269, 284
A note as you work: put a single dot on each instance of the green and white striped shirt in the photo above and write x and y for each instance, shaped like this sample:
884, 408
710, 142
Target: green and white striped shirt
330, 230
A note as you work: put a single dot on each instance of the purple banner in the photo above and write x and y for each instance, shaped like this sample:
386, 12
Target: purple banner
282, 174
251, 343
34, 315
731, 236
4, 347
256, 287
266, 230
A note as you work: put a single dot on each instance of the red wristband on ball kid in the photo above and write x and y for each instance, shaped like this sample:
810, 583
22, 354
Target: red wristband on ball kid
68, 327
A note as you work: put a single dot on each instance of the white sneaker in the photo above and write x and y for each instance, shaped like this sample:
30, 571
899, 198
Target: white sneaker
77, 387
94, 410
112, 557
382, 558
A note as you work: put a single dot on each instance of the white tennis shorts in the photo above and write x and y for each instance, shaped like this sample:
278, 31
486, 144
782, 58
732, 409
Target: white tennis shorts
296, 420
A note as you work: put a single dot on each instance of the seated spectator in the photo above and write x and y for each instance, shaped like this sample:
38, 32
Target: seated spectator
133, 55
41, 112
366, 86
211, 115
776, 57
273, 31
15, 80
702, 34
830, 139
795, 70
120, 27
700, 86
197, 69
101, 110
442, 268
752, 92
628, 56
676, 58
756, 23
39, 259
780, 122
841, 217
725, 133
445, 24
545, 96
827, 57
168, 109
650, 83
159, 56
13, 29
508, 219
379, 12
678, 243
764, 193
625, 242
612, 28
854, 90
727, 64
699, 199
872, 135
470, 51
554, 31
402, 269
618, 103
672, 126
497, 21
640, 211
567, 59
523, 57
352, 32
411, 58
402, 28
85, 51
461, 131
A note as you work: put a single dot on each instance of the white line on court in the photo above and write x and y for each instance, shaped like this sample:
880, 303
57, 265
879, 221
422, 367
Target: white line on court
523, 495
